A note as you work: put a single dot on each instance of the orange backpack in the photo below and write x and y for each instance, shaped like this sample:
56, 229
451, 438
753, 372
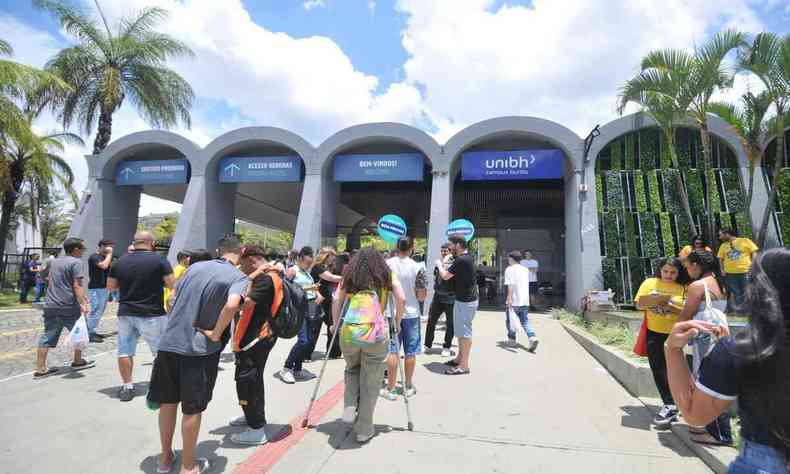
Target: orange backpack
247, 312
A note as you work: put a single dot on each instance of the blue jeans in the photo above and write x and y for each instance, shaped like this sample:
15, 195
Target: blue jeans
409, 337
756, 458
98, 300
40, 287
736, 285
308, 334
522, 312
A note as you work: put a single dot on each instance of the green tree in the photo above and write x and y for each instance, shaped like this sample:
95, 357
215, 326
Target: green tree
768, 57
106, 66
166, 229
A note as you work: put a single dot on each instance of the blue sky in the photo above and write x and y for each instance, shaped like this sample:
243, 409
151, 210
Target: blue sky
317, 66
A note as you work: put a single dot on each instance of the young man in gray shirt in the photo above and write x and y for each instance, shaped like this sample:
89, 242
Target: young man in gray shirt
64, 304
208, 296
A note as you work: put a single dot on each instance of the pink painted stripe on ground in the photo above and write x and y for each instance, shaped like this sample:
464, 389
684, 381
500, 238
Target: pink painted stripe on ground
270, 453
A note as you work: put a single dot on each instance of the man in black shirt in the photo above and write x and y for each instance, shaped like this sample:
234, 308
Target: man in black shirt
251, 360
98, 269
141, 277
462, 272
442, 303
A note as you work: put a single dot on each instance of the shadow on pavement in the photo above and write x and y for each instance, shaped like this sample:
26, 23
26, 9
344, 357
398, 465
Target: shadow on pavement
341, 435
510, 347
637, 417
436, 367
205, 449
140, 389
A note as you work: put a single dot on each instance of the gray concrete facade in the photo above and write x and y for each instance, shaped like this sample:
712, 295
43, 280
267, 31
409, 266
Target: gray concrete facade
311, 209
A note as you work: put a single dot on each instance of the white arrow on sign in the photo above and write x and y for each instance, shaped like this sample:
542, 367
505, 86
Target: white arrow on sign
232, 168
126, 172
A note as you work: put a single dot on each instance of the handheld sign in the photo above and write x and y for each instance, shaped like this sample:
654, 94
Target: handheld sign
391, 228
461, 227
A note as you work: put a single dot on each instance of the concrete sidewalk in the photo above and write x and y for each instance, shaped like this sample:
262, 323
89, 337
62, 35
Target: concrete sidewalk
554, 411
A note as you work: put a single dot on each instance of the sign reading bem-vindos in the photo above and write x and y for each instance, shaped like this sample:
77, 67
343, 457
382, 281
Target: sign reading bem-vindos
391, 228
257, 169
136, 173
512, 165
372, 168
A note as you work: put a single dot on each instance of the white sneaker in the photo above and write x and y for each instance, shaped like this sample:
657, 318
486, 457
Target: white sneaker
410, 391
350, 415
446, 353
533, 344
287, 376
251, 437
238, 421
390, 395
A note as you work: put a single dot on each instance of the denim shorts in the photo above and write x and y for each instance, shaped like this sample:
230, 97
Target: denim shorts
409, 337
53, 326
756, 458
463, 315
130, 328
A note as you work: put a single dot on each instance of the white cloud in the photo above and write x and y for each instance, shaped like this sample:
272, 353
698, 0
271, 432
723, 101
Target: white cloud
310, 4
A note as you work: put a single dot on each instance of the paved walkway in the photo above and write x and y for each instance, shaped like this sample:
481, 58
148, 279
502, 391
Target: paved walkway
556, 411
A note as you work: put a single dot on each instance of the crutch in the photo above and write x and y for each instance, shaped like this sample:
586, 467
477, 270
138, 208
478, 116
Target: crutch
326, 359
402, 372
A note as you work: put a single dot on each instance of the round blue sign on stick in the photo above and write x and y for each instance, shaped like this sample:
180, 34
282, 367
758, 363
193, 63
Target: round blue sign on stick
461, 227
391, 228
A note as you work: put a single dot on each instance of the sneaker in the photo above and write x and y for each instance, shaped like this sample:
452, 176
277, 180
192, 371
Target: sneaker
287, 376
95, 338
533, 344
666, 416
125, 394
251, 437
238, 421
410, 391
349, 415
388, 394
446, 353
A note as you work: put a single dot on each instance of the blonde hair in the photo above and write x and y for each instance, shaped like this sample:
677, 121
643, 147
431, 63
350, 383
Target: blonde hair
324, 255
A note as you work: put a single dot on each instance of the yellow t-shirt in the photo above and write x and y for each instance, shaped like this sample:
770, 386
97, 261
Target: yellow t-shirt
685, 251
737, 255
178, 270
657, 322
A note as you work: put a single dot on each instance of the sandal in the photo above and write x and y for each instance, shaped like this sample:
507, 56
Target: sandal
456, 371
451, 363
697, 431
166, 468
41, 375
708, 439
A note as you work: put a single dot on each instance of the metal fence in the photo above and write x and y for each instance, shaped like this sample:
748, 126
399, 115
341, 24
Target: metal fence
12, 263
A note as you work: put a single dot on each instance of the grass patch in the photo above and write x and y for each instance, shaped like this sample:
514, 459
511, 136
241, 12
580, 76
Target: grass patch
616, 335
10, 300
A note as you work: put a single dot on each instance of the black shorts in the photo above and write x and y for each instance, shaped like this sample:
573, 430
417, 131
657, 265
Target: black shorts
186, 379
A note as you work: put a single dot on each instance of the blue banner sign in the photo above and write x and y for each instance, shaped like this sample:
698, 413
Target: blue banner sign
461, 227
391, 228
512, 165
259, 169
136, 173
377, 168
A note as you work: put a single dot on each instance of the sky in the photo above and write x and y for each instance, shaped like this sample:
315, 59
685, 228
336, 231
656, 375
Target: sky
317, 66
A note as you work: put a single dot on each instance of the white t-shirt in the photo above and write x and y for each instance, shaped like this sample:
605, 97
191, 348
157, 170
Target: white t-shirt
532, 266
517, 277
406, 270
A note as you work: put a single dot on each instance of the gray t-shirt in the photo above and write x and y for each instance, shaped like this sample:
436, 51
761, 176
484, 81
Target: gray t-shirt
201, 293
60, 298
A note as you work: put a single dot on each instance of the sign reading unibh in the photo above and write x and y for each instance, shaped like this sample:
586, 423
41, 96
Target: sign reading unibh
136, 173
258, 169
378, 168
512, 165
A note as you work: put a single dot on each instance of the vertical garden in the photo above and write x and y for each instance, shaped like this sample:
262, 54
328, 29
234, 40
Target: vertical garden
639, 210
782, 209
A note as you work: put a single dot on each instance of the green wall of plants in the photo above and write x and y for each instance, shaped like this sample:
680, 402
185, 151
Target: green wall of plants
783, 205
640, 212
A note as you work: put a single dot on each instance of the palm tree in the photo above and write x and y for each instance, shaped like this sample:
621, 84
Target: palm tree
657, 92
105, 67
749, 121
768, 57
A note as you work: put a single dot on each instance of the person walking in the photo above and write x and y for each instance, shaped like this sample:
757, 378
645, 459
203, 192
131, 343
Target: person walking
183, 262
140, 276
442, 303
64, 304
462, 272
529, 262
364, 337
706, 289
327, 281
411, 278
27, 276
185, 369
42, 277
517, 281
753, 368
98, 294
300, 273
735, 255
668, 281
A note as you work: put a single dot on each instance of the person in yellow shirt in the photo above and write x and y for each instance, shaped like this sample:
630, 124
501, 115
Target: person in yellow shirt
697, 243
178, 270
735, 256
670, 280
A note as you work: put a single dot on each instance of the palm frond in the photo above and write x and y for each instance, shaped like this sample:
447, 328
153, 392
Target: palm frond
667, 59
143, 22
77, 24
161, 95
5, 48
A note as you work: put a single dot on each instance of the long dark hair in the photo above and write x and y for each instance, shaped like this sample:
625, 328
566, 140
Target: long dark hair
683, 276
367, 271
709, 264
766, 345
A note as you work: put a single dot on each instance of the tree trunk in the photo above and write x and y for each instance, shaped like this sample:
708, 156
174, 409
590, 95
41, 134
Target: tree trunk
9, 202
684, 197
104, 132
753, 157
779, 161
707, 217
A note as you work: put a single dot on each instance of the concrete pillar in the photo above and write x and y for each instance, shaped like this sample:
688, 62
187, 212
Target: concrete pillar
317, 222
354, 239
759, 202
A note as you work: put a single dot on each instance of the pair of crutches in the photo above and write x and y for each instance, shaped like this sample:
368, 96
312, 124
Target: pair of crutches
393, 333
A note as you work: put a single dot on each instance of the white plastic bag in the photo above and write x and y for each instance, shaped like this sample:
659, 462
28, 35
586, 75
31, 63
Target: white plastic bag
78, 336
515, 322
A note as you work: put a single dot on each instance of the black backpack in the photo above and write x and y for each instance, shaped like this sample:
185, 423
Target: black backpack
287, 320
